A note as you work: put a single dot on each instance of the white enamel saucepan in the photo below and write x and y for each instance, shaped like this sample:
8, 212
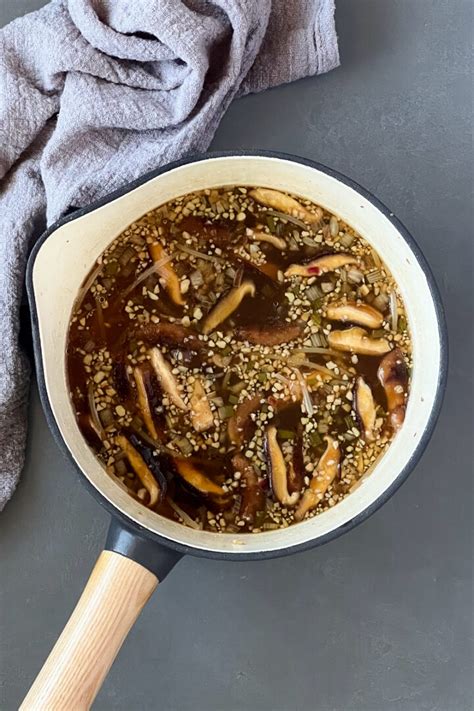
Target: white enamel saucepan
142, 546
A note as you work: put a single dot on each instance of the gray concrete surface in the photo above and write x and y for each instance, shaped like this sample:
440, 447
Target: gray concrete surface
381, 619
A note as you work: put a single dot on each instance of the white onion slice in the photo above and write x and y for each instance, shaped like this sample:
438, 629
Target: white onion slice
183, 515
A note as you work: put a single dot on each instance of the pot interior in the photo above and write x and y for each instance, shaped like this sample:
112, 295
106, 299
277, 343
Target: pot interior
67, 255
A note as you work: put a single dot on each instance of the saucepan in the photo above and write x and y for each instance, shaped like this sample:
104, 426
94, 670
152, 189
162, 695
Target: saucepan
142, 546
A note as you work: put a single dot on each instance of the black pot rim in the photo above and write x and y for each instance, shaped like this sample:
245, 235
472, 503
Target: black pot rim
422, 442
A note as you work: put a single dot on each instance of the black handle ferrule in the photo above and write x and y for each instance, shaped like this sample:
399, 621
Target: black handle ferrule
156, 558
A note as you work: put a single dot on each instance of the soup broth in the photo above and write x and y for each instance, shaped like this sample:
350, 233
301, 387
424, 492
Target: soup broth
238, 359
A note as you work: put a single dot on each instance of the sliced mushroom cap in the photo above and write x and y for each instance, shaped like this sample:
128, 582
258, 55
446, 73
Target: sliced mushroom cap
353, 312
227, 305
277, 469
356, 340
364, 407
172, 335
200, 483
326, 472
140, 468
284, 203
156, 463
89, 429
277, 242
166, 378
147, 398
322, 264
267, 269
120, 379
240, 426
167, 273
253, 496
201, 413
271, 335
393, 375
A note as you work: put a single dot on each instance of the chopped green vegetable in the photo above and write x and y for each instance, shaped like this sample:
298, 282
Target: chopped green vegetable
374, 275
349, 422
279, 229
233, 399
327, 286
315, 439
226, 412
237, 388
136, 423
286, 434
316, 319
184, 445
111, 268
313, 293
127, 254
106, 417
262, 377
402, 324
271, 223
379, 333
346, 239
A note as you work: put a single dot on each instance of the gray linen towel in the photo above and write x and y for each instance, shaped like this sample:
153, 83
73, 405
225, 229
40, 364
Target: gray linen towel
95, 92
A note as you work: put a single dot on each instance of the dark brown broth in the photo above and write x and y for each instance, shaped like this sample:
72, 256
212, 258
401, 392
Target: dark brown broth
111, 333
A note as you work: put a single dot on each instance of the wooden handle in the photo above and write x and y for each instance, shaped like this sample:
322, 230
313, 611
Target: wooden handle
111, 602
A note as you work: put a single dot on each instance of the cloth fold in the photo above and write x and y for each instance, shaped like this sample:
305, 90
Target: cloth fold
94, 93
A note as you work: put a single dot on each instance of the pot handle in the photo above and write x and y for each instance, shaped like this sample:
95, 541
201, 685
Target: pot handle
124, 576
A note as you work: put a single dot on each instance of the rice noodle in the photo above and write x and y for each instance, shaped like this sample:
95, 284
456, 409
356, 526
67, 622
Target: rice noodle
238, 277
183, 515
321, 351
153, 269
199, 255
315, 366
281, 378
376, 259
394, 310
319, 340
100, 318
93, 410
308, 405
287, 218
89, 281
293, 358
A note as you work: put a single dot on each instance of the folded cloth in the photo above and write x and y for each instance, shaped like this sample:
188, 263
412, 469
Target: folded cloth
95, 92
